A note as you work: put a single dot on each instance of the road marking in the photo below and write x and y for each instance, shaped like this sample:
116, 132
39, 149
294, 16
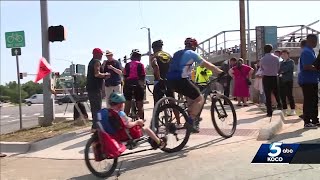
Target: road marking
23, 115
36, 114
13, 120
5, 116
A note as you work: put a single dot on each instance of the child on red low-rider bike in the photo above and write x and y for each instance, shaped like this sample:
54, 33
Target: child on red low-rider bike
116, 101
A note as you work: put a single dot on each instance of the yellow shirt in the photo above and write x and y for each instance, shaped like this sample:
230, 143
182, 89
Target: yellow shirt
202, 75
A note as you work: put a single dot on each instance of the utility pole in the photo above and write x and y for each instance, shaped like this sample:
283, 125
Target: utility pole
242, 29
149, 53
48, 106
248, 38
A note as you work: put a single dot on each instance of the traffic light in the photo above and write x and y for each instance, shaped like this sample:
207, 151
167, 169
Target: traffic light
57, 74
56, 33
21, 75
125, 59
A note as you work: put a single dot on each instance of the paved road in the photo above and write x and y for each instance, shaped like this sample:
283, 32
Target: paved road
10, 120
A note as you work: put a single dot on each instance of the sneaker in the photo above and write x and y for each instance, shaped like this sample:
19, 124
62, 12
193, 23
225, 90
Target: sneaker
285, 111
292, 112
310, 126
194, 124
163, 142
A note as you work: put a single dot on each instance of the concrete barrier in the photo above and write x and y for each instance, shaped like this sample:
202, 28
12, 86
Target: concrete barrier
271, 129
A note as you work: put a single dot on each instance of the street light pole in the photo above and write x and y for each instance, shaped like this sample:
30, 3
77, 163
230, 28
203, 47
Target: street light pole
149, 53
248, 41
48, 106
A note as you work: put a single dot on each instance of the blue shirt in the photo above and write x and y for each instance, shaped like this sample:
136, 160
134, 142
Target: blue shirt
115, 79
307, 57
181, 64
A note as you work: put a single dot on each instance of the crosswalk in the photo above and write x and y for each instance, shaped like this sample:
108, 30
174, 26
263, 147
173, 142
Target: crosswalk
14, 117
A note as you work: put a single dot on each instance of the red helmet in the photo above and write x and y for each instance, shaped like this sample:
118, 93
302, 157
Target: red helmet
191, 42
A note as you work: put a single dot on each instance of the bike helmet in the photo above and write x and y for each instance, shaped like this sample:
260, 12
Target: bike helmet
191, 42
116, 98
135, 54
157, 44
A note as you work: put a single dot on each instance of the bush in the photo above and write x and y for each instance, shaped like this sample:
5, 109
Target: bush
4, 98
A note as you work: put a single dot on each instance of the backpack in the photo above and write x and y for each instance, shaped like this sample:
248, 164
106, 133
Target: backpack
139, 69
175, 70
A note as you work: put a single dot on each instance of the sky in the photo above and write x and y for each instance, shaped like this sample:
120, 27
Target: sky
115, 26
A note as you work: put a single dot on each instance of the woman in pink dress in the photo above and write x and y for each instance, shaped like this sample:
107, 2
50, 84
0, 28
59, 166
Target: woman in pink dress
241, 73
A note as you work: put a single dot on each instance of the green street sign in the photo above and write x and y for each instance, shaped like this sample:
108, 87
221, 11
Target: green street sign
15, 39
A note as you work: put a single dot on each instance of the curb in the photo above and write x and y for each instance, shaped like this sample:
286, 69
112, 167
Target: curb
24, 147
14, 147
275, 125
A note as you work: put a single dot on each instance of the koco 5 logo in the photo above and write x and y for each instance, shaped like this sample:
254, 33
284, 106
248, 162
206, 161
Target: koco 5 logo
275, 151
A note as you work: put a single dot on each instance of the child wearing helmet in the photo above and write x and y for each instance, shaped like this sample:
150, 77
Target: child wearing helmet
116, 101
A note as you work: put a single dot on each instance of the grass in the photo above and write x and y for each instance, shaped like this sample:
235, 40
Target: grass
39, 133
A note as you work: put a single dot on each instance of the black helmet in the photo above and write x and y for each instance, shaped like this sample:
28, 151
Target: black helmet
157, 44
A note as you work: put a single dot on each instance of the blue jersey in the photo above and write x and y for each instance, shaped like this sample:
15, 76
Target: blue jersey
181, 64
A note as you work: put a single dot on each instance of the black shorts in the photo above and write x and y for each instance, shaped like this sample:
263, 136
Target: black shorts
185, 87
159, 91
138, 91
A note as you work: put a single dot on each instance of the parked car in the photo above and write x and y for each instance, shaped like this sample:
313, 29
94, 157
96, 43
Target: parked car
34, 99
66, 98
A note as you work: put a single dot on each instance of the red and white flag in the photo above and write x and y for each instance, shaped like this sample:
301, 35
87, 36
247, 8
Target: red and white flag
43, 70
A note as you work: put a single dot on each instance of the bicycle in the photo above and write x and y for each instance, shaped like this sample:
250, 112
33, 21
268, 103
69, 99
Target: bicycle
133, 114
94, 152
170, 120
14, 37
217, 107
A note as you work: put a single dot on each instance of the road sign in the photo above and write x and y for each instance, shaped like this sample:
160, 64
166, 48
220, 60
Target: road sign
15, 39
16, 51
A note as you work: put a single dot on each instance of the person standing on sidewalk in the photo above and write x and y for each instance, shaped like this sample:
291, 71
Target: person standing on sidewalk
94, 84
270, 66
286, 83
308, 79
113, 83
226, 80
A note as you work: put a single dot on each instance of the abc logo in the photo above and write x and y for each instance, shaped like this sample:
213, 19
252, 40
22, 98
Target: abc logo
287, 151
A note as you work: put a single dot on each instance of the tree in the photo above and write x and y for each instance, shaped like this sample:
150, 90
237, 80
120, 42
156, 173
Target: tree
32, 88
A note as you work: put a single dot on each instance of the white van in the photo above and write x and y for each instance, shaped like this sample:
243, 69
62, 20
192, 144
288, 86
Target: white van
34, 99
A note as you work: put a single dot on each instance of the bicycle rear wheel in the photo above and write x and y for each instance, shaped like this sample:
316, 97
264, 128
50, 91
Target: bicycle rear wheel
223, 113
175, 129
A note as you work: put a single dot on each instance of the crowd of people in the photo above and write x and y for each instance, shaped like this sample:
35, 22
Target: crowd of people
172, 73
273, 79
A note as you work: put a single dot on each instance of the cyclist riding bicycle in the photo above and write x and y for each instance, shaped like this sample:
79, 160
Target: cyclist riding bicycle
134, 81
179, 78
160, 63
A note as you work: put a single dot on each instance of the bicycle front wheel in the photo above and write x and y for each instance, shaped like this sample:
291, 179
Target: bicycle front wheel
103, 168
171, 123
223, 115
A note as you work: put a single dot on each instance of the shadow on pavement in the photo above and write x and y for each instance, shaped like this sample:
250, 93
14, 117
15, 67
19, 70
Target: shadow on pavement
250, 120
292, 121
134, 162
288, 135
